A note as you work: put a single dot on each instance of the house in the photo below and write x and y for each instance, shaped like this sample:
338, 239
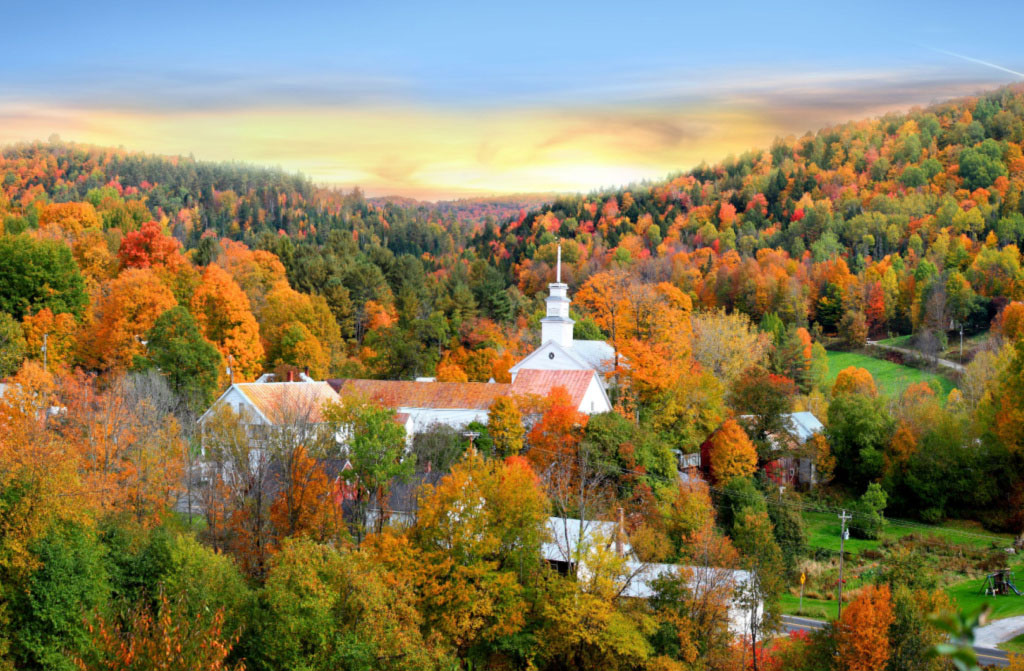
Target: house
791, 468
571, 541
423, 404
274, 403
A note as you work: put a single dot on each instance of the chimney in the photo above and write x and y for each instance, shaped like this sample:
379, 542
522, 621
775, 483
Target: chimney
305, 371
291, 375
620, 546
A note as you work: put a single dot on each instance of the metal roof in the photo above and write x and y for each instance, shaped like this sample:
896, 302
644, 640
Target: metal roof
439, 395
543, 382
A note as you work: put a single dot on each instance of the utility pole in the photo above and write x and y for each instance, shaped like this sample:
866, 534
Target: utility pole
842, 538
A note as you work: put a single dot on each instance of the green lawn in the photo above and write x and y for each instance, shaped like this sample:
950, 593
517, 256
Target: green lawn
968, 598
898, 341
1013, 645
890, 378
815, 608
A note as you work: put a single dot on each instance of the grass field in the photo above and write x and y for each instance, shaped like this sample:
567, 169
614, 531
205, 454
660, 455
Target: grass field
890, 378
823, 534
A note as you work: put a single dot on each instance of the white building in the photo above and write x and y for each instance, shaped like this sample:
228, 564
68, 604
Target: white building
558, 349
578, 366
571, 541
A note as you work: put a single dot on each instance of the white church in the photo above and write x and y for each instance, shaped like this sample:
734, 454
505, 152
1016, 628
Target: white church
578, 366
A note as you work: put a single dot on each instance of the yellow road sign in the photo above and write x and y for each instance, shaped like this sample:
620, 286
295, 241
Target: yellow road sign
803, 577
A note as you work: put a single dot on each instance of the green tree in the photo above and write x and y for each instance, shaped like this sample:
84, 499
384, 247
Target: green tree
12, 345
48, 612
505, 425
980, 166
754, 537
323, 609
375, 447
868, 521
39, 274
859, 428
177, 349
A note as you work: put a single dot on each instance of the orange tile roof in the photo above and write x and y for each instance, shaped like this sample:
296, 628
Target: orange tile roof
284, 402
401, 394
542, 382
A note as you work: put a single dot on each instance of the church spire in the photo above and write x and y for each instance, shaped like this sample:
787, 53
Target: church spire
557, 325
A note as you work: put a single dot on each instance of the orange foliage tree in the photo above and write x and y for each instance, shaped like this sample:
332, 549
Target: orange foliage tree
558, 431
222, 311
59, 329
732, 453
853, 380
1010, 322
862, 635
125, 310
71, 218
149, 246
129, 445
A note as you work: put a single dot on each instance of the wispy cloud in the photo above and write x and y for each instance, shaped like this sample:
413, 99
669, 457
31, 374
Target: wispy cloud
987, 64
379, 134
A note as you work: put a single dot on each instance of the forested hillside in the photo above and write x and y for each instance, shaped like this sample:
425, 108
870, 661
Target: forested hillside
134, 289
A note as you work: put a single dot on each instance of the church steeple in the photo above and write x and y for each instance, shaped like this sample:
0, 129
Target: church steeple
557, 325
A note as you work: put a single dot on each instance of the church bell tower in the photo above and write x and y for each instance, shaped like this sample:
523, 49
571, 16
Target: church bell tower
557, 325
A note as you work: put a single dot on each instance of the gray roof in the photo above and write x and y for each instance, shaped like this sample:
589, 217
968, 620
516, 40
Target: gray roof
805, 425
644, 575
597, 353
566, 537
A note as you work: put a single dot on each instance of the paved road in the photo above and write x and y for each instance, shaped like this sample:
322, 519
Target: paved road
999, 631
945, 363
986, 656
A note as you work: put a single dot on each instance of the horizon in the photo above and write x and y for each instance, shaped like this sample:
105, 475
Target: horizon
460, 101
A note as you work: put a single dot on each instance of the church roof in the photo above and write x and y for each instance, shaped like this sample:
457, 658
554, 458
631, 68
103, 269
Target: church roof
542, 382
402, 394
597, 353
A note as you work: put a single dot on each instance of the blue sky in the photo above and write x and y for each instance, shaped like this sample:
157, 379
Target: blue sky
443, 99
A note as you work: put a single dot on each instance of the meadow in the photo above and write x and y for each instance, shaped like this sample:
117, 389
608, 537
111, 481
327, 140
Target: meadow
891, 378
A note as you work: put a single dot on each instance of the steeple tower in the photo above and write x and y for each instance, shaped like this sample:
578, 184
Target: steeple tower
557, 325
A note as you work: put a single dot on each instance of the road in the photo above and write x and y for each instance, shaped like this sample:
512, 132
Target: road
986, 656
945, 363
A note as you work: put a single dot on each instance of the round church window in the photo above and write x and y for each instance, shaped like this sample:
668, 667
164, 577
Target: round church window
551, 355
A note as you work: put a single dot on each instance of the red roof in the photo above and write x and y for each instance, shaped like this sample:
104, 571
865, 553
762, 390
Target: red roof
400, 394
542, 382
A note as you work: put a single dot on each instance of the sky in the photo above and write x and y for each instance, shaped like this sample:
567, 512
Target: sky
438, 100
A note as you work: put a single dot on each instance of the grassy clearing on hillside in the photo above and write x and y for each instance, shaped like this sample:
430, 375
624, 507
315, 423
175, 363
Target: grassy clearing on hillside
890, 378
942, 545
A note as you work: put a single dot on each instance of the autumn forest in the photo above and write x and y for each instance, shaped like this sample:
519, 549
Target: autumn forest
866, 276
